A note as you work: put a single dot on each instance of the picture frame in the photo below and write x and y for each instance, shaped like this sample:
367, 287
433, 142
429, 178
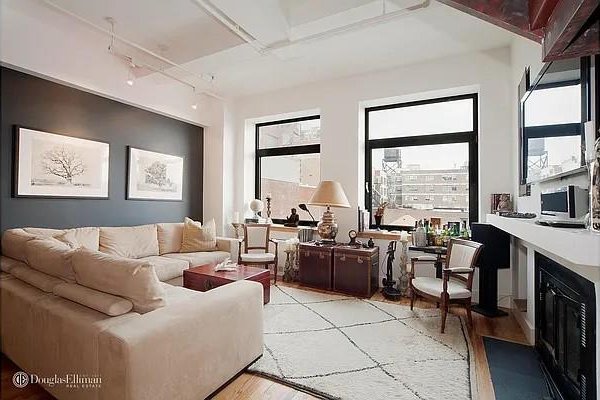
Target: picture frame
154, 176
501, 202
52, 165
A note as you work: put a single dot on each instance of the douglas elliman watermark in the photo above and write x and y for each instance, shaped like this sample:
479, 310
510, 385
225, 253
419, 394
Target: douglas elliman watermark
72, 381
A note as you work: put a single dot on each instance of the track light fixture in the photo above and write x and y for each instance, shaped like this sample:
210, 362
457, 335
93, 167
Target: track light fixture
130, 74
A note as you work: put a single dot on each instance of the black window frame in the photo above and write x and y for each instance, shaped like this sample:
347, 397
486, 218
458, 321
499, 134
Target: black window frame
280, 151
556, 130
469, 137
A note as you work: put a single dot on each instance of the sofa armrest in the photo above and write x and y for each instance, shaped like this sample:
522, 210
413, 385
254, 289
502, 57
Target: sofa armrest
184, 351
229, 245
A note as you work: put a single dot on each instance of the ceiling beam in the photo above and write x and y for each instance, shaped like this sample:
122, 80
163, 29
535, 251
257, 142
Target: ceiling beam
512, 15
568, 20
539, 12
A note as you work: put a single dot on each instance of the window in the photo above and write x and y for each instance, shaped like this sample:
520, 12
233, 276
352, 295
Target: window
430, 149
552, 130
551, 114
288, 164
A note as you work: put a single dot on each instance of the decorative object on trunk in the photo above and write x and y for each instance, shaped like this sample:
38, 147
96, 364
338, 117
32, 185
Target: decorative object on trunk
329, 194
501, 202
379, 214
52, 165
595, 190
154, 176
293, 219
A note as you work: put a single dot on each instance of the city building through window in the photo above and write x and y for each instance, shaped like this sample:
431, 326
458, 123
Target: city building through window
288, 164
428, 149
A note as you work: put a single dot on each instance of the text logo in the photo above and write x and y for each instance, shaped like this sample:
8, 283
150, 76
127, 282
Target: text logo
20, 379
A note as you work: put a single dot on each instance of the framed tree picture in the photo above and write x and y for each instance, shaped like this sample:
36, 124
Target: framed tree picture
58, 166
154, 176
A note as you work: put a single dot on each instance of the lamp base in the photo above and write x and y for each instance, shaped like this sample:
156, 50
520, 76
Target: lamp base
327, 227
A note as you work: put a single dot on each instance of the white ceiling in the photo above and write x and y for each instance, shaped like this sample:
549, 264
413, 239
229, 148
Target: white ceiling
184, 32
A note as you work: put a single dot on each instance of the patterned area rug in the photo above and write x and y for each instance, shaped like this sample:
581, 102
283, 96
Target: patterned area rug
340, 347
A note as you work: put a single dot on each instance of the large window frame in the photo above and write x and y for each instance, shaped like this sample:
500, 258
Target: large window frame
280, 151
556, 130
469, 137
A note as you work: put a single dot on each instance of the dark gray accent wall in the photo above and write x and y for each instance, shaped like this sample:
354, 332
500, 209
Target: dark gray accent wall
40, 104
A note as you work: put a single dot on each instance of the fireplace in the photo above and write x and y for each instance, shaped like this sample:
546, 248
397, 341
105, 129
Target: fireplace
565, 335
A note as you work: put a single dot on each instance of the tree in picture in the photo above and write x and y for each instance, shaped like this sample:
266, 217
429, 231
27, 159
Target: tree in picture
64, 163
156, 174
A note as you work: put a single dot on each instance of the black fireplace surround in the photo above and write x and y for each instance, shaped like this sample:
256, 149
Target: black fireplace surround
565, 334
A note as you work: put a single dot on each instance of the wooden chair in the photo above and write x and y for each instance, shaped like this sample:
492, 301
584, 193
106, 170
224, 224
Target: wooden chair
256, 247
460, 265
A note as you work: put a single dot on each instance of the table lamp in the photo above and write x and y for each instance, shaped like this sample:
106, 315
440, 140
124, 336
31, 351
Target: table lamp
329, 194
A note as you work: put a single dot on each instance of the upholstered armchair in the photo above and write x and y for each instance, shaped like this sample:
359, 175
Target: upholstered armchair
254, 247
456, 284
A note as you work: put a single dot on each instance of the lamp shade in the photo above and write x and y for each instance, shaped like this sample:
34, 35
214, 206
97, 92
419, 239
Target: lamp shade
329, 193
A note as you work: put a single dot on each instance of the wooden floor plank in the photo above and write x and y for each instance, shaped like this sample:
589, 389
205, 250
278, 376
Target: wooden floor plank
248, 386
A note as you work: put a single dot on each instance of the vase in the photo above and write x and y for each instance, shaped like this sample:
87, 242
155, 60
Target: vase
378, 219
595, 189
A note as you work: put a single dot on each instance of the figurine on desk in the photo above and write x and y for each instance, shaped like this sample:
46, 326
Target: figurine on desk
293, 219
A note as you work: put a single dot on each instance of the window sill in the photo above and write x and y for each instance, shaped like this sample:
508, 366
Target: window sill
290, 229
386, 235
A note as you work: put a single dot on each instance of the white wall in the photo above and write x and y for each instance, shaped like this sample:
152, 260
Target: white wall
341, 106
37, 39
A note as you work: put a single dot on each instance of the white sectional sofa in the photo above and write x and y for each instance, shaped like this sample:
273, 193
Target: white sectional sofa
106, 304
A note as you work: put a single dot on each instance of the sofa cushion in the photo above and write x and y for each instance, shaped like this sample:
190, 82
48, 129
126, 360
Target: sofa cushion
166, 268
197, 237
129, 241
13, 243
201, 257
100, 301
88, 237
43, 232
177, 294
7, 263
170, 236
135, 280
51, 257
35, 278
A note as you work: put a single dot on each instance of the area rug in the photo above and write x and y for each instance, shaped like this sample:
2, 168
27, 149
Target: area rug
339, 347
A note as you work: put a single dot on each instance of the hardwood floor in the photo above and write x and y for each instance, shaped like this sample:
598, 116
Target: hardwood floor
248, 386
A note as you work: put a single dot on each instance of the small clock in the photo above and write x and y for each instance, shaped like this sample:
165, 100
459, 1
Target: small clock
352, 235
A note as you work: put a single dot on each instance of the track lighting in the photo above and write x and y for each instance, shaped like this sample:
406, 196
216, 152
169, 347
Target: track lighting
195, 101
130, 75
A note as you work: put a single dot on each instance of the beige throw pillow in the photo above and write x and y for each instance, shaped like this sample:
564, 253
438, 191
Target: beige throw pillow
170, 236
135, 280
197, 237
50, 256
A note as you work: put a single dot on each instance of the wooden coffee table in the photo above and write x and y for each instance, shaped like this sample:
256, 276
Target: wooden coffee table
204, 277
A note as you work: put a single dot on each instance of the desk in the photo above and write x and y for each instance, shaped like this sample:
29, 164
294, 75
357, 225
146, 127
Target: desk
439, 251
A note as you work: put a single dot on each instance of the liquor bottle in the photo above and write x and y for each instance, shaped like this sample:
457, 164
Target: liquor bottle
420, 237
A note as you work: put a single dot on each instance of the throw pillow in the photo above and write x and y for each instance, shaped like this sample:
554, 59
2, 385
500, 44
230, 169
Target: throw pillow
197, 237
51, 257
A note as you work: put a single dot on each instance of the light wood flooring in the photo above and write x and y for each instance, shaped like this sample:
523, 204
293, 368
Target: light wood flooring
248, 386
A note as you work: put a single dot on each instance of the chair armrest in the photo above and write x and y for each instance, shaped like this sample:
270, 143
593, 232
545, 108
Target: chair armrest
458, 270
200, 343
